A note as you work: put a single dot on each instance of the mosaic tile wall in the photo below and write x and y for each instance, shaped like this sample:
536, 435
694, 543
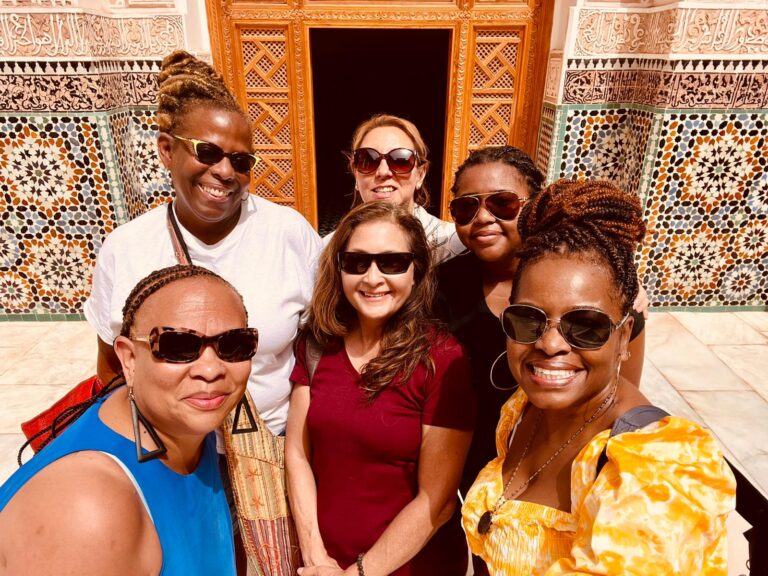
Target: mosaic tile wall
689, 134
77, 150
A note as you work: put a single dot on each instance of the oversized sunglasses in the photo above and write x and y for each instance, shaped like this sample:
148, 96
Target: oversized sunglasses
399, 160
502, 205
183, 345
210, 154
386, 262
582, 328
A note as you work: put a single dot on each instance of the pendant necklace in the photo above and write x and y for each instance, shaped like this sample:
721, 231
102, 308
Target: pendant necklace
486, 520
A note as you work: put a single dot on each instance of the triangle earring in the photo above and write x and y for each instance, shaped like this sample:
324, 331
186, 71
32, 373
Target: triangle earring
137, 417
252, 427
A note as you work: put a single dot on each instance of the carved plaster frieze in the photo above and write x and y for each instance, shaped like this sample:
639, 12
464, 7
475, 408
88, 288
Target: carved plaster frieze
731, 31
554, 72
81, 35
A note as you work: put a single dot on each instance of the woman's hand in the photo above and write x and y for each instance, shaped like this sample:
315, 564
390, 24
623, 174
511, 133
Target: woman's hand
642, 303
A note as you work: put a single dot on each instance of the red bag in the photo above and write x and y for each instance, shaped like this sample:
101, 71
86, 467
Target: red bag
41, 429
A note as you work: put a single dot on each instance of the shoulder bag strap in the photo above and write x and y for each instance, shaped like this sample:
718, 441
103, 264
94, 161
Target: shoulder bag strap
179, 246
631, 420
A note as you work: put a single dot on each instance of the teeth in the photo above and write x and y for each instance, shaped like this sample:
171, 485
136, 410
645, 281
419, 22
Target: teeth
215, 192
385, 189
553, 374
375, 295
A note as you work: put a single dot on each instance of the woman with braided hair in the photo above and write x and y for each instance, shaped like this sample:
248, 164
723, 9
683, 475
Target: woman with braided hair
267, 251
589, 478
133, 485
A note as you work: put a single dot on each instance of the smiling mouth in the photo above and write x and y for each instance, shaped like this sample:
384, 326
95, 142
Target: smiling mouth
216, 193
384, 190
552, 376
207, 402
374, 295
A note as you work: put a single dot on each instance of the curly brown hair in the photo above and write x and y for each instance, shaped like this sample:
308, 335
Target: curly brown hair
409, 334
508, 155
186, 83
592, 218
421, 195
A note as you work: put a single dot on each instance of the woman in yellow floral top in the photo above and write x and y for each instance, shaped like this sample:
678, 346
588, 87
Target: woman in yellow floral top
564, 495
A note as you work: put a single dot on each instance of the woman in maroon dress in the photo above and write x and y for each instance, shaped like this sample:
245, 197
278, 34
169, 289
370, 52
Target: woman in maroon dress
378, 432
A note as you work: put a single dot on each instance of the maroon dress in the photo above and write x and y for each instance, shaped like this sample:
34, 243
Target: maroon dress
365, 457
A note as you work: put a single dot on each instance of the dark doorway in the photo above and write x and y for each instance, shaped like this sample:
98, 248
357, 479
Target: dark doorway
360, 72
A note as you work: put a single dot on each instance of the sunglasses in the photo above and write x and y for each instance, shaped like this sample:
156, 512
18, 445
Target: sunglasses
386, 262
211, 155
182, 345
584, 329
399, 160
501, 205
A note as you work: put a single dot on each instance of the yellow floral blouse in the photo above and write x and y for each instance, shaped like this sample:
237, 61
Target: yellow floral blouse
657, 508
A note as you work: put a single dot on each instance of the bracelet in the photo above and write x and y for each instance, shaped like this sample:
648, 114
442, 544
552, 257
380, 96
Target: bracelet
360, 570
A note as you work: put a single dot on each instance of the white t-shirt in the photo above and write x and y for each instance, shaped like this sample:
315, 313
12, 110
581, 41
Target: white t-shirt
441, 235
270, 257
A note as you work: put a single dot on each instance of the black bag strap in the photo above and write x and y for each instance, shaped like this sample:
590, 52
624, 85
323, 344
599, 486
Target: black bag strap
179, 246
631, 420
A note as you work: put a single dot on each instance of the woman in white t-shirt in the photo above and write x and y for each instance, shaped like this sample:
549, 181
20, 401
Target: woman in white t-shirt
266, 251
389, 163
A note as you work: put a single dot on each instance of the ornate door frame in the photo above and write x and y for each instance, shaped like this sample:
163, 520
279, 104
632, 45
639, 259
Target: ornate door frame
496, 79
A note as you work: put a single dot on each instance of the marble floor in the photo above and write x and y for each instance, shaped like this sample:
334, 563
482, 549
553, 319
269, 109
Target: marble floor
709, 367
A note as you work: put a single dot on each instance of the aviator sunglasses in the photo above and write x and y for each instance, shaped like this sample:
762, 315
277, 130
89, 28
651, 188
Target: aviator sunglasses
386, 262
399, 160
183, 345
502, 205
210, 154
583, 328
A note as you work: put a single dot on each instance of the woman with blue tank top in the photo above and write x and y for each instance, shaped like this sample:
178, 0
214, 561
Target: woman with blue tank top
133, 486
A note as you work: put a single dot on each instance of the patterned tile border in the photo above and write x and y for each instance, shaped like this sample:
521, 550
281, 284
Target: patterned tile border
43, 35
665, 84
740, 31
77, 86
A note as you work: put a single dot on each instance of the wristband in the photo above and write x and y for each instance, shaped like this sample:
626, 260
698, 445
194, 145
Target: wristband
360, 570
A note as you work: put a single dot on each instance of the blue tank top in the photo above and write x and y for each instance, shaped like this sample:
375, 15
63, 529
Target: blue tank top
190, 513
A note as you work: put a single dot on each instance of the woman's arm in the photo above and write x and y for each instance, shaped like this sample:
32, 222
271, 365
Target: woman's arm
302, 491
441, 459
107, 363
79, 515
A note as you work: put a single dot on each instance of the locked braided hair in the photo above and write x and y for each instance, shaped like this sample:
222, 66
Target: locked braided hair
159, 278
590, 218
187, 82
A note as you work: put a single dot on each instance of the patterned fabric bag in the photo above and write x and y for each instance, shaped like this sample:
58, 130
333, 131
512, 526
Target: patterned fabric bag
256, 462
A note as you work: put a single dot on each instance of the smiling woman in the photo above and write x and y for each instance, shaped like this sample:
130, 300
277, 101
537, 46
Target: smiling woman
579, 485
213, 221
383, 435
133, 486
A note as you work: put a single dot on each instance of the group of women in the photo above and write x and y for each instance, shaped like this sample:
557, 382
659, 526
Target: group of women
524, 334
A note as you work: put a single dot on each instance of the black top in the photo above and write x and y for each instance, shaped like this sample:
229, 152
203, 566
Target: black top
461, 305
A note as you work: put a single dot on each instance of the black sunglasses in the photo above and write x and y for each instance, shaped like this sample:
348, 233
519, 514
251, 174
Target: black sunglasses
399, 160
183, 345
502, 205
386, 262
210, 154
583, 328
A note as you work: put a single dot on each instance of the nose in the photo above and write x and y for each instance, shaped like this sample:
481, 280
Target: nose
483, 216
372, 276
223, 170
208, 366
383, 170
552, 341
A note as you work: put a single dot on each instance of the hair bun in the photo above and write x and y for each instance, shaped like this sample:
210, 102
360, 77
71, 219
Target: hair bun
591, 205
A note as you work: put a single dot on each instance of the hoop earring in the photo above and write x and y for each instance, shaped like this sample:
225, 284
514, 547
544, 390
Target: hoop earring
252, 427
490, 375
137, 417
